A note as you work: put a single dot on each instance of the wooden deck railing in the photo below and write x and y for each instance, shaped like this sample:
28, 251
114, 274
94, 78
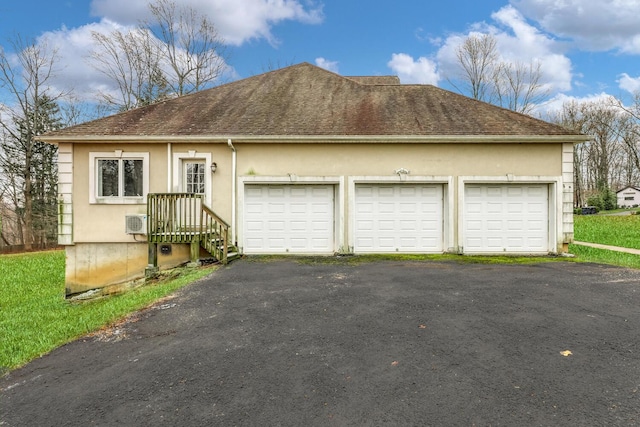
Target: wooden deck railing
184, 218
214, 235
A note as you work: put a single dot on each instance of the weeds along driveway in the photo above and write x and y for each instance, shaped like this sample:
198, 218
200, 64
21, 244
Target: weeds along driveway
336, 343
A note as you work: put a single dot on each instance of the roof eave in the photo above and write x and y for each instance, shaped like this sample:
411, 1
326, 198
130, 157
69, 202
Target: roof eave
353, 139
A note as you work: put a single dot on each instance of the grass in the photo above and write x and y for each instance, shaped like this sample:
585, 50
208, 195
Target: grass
35, 318
603, 256
612, 230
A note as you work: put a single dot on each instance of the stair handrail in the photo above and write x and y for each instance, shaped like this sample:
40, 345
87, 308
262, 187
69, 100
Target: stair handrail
214, 234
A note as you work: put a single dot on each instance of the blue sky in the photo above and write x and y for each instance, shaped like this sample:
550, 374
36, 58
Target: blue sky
587, 48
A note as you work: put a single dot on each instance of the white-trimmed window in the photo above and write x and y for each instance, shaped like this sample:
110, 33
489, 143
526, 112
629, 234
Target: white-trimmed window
119, 177
192, 173
194, 176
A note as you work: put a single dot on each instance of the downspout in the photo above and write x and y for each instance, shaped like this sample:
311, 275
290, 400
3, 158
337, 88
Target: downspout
169, 169
233, 192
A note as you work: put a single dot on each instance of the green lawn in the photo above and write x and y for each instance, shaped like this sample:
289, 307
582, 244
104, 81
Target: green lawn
608, 230
35, 318
602, 256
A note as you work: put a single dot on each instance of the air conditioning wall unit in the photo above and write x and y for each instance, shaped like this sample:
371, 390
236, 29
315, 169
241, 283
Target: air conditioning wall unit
136, 224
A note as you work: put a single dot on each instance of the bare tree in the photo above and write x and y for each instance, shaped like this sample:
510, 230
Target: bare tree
177, 52
477, 57
191, 46
571, 118
484, 76
131, 60
633, 113
28, 112
610, 159
517, 86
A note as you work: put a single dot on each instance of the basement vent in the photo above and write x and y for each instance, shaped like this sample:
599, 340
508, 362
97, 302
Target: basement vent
136, 224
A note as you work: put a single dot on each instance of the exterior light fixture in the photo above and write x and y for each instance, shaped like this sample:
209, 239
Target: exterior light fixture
214, 167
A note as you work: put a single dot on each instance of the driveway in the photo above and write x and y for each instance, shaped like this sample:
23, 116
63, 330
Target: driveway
339, 343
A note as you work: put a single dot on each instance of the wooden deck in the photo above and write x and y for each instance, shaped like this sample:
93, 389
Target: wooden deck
184, 218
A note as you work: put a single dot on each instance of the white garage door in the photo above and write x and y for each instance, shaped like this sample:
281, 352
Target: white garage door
398, 218
288, 219
506, 218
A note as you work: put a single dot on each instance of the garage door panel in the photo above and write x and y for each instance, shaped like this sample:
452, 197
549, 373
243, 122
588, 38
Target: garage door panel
493, 208
506, 218
536, 208
253, 208
514, 191
430, 207
364, 225
386, 208
473, 226
515, 225
536, 242
276, 226
321, 208
299, 226
410, 208
494, 225
321, 226
253, 225
494, 191
409, 225
536, 191
398, 218
298, 208
289, 218
516, 242
516, 208
275, 208
386, 225
474, 207
387, 242
275, 191
298, 192
408, 242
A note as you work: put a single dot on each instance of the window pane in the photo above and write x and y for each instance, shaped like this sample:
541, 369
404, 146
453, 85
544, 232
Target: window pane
132, 178
194, 177
107, 178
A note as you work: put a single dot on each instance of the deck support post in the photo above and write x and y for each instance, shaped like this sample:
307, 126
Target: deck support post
152, 265
195, 252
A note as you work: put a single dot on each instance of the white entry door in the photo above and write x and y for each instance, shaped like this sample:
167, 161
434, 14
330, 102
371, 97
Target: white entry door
506, 218
288, 219
398, 218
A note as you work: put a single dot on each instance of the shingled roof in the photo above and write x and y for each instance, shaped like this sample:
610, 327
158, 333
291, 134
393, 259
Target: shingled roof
305, 100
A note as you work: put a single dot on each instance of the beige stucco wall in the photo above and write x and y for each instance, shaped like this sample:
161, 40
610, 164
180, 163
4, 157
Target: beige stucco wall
104, 254
384, 159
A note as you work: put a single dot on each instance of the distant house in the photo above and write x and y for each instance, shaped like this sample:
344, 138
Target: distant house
628, 197
304, 161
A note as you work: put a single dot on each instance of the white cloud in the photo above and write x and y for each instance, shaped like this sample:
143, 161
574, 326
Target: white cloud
237, 21
327, 65
525, 42
517, 41
597, 25
74, 47
410, 70
628, 83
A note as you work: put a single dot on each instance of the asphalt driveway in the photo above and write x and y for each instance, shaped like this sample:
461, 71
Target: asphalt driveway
335, 343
